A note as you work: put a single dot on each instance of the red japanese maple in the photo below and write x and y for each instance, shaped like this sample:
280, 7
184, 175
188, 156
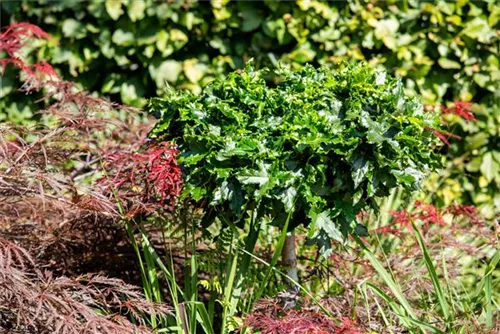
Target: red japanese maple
40, 169
12, 40
464, 210
461, 109
144, 179
270, 318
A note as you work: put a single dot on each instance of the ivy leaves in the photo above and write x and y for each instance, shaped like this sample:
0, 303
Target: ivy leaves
321, 144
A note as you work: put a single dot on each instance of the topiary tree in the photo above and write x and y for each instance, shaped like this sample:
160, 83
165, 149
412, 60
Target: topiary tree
316, 146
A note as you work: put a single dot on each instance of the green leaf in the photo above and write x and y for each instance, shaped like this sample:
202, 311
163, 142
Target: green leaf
479, 29
449, 64
386, 30
168, 70
193, 70
288, 198
260, 180
251, 17
489, 167
114, 8
409, 175
360, 167
136, 9
73, 28
323, 222
302, 55
123, 38
481, 79
178, 35
223, 193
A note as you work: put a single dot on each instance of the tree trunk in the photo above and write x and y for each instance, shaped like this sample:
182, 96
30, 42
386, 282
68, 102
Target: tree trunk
289, 257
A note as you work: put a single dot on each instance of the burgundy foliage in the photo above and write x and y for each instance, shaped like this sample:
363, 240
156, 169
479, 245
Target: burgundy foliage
402, 218
464, 210
85, 131
50, 205
428, 214
143, 181
32, 301
13, 38
444, 136
462, 220
269, 317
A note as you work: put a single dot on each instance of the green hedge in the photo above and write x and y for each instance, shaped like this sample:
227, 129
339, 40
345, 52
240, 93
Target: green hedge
131, 50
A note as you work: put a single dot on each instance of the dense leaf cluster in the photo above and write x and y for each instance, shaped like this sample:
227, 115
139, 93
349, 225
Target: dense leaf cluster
130, 49
319, 144
443, 50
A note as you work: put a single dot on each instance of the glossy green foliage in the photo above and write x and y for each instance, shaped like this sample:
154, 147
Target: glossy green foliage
321, 144
131, 49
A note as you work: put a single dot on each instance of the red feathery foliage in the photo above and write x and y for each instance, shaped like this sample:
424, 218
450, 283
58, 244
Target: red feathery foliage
402, 218
38, 303
165, 173
12, 39
461, 109
48, 202
144, 180
14, 62
271, 318
467, 211
45, 69
37, 167
428, 214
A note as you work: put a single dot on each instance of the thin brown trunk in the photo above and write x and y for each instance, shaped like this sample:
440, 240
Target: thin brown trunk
289, 256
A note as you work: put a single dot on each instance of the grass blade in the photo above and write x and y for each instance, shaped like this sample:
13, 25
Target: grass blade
274, 260
488, 288
391, 302
405, 319
393, 286
228, 293
202, 317
171, 282
433, 274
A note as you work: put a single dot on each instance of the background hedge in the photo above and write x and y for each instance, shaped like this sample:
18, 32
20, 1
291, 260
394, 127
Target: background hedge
131, 50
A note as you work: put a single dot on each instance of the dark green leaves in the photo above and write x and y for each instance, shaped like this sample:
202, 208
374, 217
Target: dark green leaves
320, 144
360, 168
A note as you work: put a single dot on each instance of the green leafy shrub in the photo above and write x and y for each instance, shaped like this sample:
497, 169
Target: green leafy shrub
130, 50
319, 145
